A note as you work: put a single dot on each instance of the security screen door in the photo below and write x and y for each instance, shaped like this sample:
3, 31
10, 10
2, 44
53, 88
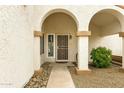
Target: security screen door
62, 47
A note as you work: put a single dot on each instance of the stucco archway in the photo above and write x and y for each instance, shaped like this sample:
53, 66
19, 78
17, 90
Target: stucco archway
116, 11
105, 26
62, 10
60, 22
113, 12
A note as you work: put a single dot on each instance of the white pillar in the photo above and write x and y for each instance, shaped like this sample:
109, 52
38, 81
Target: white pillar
37, 62
121, 34
36, 53
83, 53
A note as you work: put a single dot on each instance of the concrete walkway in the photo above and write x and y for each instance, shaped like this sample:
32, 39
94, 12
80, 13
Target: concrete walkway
60, 76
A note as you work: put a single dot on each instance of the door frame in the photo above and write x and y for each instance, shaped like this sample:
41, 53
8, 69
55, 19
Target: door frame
56, 48
54, 44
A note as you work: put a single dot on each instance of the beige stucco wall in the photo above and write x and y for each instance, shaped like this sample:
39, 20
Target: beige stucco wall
113, 42
110, 29
60, 23
16, 46
95, 38
111, 39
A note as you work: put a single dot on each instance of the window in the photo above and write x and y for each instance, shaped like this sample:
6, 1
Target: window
50, 45
42, 44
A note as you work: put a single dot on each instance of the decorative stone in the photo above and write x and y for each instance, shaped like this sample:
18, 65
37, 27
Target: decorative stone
40, 77
34, 79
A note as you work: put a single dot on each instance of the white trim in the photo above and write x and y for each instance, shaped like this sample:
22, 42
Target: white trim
56, 48
53, 45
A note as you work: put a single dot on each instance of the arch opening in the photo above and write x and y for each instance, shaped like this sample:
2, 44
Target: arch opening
105, 26
61, 11
60, 41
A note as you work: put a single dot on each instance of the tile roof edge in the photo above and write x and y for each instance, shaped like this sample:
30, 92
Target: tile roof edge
121, 6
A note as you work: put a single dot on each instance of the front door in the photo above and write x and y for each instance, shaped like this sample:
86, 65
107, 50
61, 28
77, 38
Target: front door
62, 48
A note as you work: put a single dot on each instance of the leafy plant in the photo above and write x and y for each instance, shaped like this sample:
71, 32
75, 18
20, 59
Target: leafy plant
101, 57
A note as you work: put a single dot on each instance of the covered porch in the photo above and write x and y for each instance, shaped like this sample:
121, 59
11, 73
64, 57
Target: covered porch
63, 41
59, 42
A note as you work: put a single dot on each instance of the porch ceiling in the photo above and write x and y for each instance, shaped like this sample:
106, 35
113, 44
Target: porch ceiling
103, 19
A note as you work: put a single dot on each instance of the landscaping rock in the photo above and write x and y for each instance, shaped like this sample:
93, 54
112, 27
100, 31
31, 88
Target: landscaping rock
40, 77
100, 78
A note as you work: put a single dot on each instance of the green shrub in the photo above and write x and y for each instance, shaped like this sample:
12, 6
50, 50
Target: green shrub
101, 57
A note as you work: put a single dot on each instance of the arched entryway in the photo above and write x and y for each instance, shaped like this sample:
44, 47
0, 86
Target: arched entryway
105, 27
59, 41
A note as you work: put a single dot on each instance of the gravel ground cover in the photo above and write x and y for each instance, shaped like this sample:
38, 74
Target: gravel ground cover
40, 80
99, 78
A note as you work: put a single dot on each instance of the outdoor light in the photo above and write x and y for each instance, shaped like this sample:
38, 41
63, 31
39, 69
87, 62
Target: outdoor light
70, 36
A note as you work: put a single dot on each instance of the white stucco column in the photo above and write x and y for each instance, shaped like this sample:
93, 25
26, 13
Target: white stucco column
121, 34
37, 64
83, 52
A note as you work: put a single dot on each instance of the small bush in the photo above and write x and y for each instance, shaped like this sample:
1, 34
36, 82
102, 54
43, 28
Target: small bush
101, 57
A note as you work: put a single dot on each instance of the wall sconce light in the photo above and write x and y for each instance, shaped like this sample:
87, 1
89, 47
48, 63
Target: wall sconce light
70, 36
